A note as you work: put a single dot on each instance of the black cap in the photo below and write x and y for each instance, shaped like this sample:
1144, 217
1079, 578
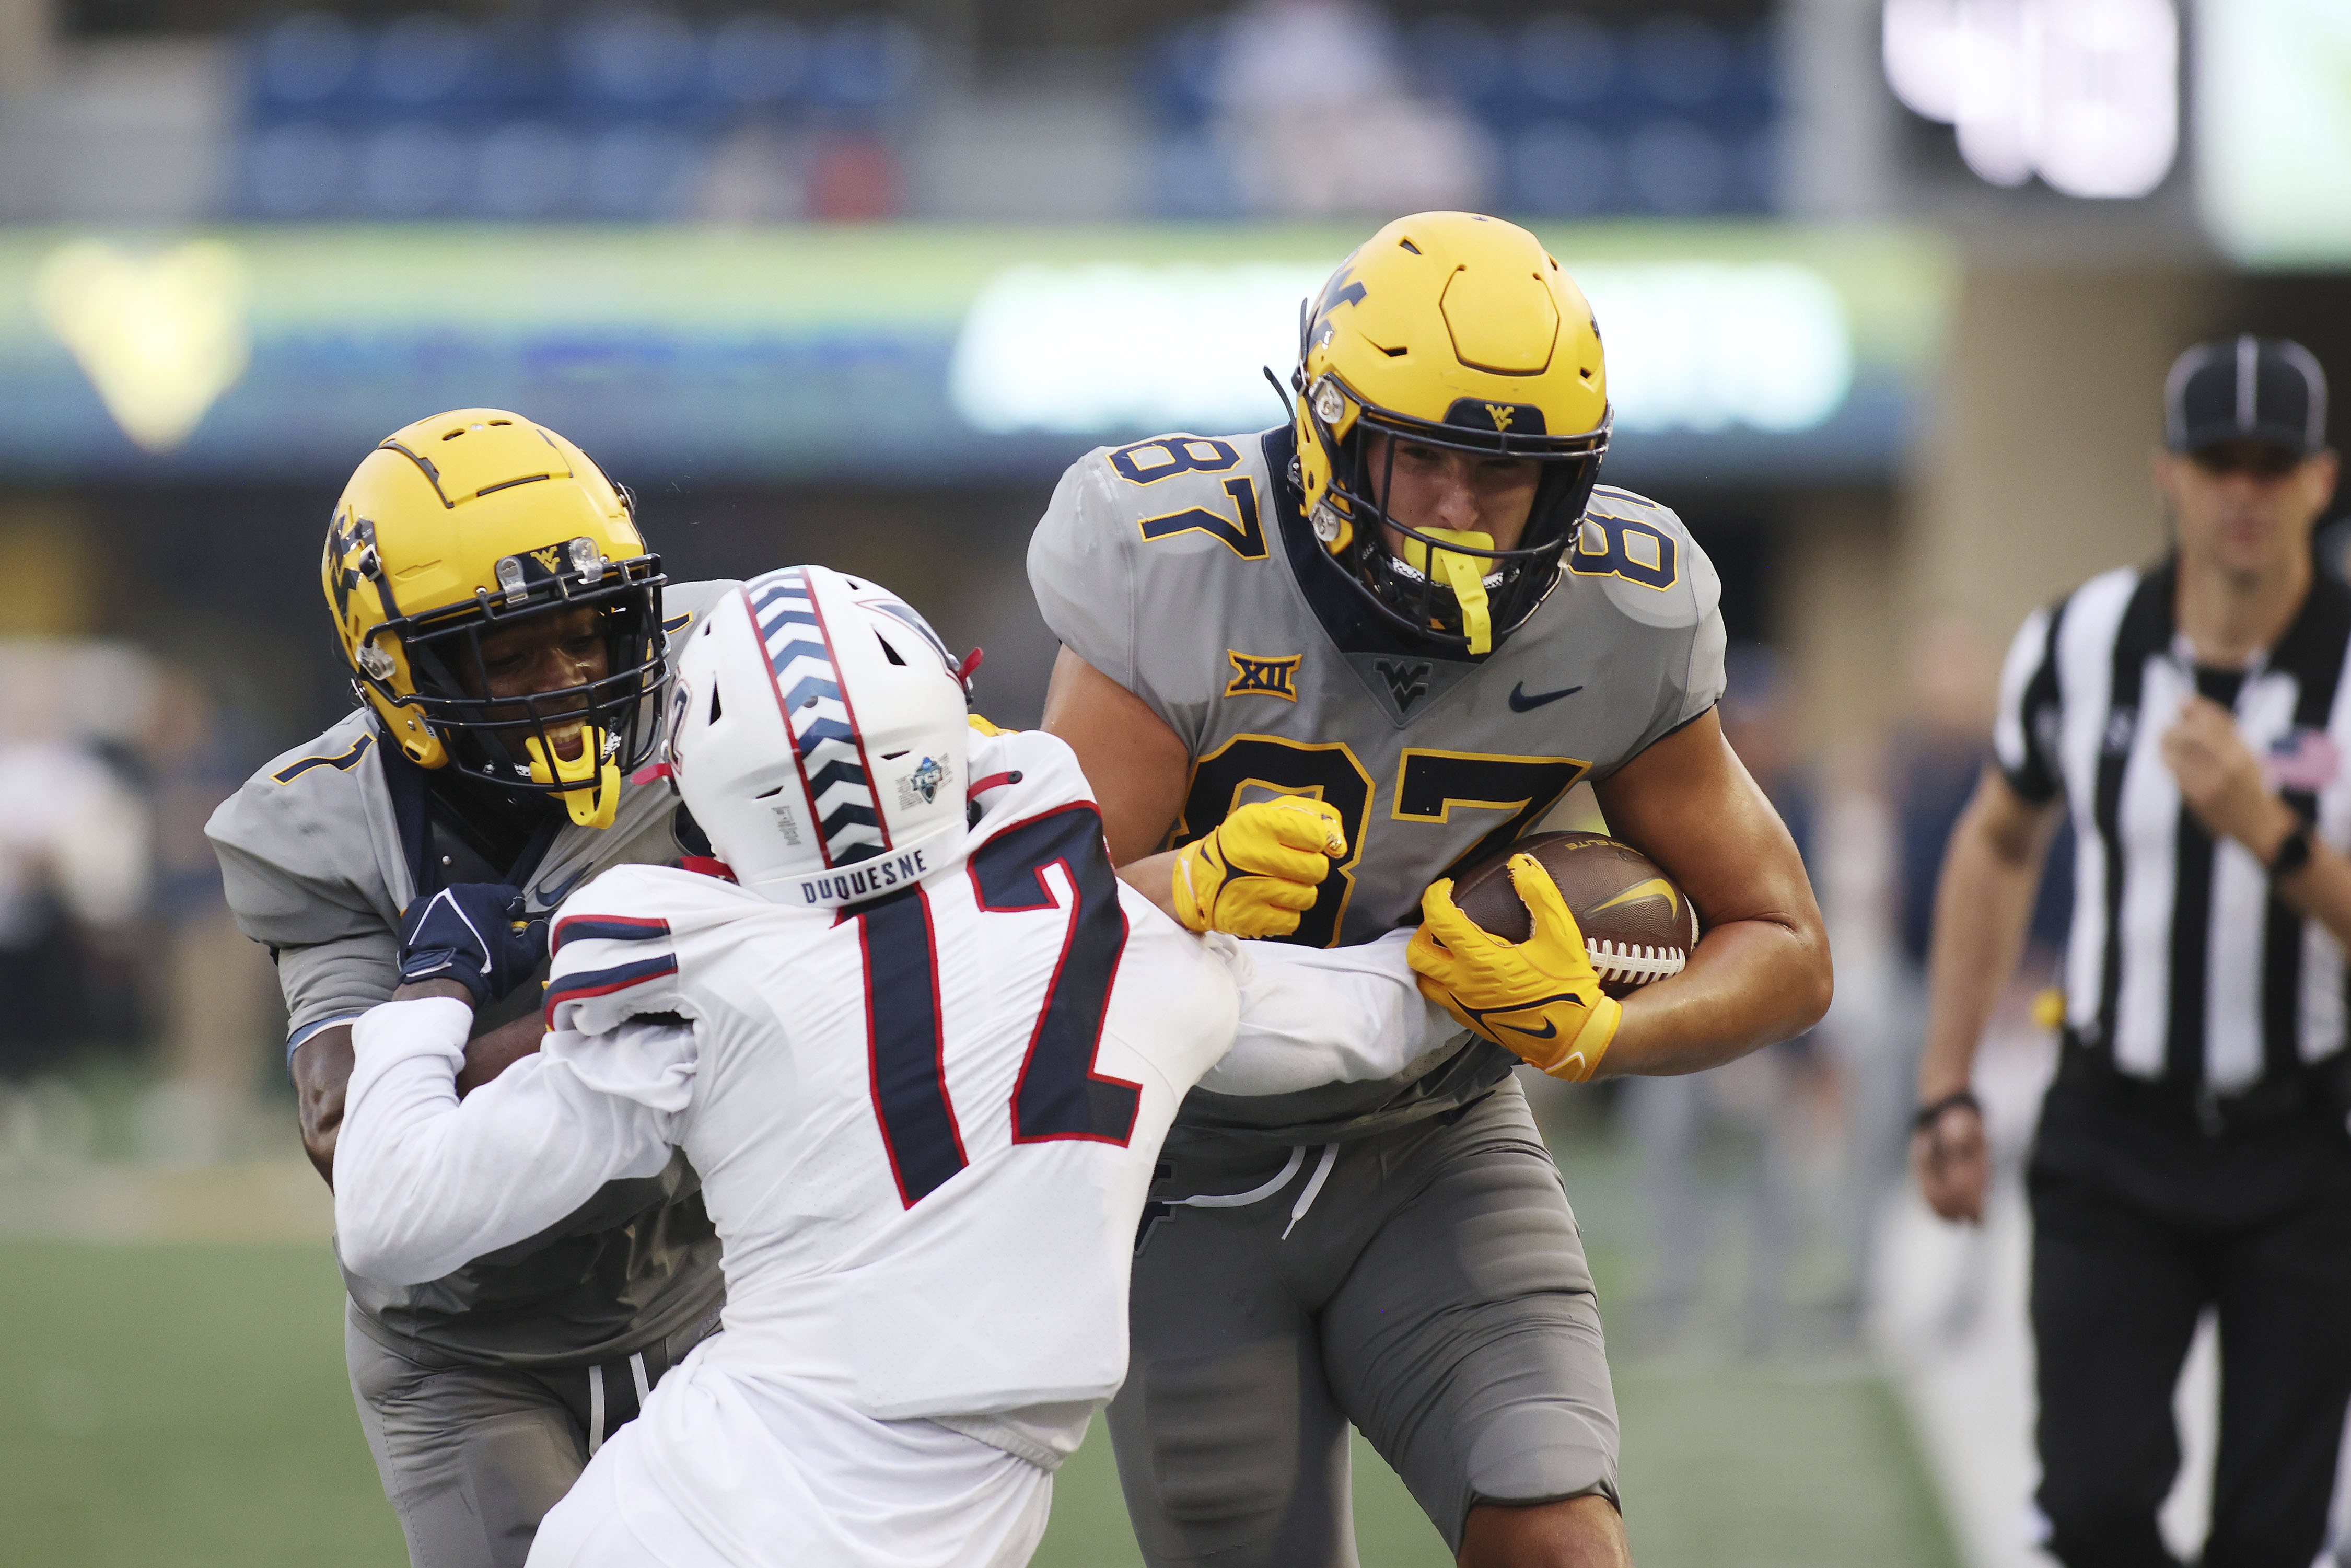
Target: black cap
2245, 389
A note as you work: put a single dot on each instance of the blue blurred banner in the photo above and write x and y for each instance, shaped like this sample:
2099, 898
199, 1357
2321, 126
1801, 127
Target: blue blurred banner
885, 354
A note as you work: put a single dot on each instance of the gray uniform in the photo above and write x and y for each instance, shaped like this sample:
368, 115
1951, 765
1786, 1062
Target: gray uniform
482, 1393
1423, 1278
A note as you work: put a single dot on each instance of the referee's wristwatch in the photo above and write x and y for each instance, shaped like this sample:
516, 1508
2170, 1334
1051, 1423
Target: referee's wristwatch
2292, 853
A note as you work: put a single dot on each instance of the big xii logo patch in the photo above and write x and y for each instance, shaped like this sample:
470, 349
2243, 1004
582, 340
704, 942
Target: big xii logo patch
1256, 677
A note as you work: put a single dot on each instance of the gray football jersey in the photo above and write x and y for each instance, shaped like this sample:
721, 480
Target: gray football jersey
1178, 568
313, 862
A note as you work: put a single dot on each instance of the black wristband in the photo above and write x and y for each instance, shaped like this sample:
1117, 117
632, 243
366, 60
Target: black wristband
1927, 1116
2292, 853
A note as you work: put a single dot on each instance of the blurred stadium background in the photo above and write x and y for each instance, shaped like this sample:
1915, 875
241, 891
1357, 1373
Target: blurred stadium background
1888, 287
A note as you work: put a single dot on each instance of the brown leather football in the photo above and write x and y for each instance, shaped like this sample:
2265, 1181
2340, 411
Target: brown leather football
1638, 924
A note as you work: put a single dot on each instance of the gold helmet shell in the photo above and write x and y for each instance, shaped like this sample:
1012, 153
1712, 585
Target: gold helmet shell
1460, 331
466, 523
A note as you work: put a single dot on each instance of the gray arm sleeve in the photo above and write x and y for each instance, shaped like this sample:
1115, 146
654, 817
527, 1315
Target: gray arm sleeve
1083, 576
329, 982
1682, 624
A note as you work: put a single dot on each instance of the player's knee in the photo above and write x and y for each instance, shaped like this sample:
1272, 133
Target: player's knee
1585, 1531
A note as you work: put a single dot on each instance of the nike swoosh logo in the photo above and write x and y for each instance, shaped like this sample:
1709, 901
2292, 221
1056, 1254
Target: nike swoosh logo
550, 899
1522, 703
1549, 1029
1655, 887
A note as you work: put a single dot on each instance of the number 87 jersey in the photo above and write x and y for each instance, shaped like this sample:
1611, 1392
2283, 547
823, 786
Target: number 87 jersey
1183, 569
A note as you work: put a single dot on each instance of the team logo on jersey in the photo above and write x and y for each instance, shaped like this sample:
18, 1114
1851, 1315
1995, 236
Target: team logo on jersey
1500, 413
1407, 680
1253, 676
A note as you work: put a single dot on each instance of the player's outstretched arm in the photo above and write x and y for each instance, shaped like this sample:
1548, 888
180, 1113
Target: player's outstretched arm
1983, 902
1136, 765
322, 1075
1760, 973
429, 1184
1252, 876
1311, 1016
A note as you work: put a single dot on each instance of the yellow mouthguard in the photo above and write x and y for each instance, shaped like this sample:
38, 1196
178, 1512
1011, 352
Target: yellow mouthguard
598, 800
1464, 574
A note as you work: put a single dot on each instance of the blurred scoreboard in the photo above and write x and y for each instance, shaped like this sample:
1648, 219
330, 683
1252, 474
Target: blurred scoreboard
887, 353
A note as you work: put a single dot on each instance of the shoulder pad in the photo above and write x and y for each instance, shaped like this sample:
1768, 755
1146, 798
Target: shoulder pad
684, 603
614, 945
1643, 556
1050, 776
1194, 495
302, 843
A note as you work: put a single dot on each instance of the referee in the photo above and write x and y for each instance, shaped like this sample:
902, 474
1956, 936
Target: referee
2190, 721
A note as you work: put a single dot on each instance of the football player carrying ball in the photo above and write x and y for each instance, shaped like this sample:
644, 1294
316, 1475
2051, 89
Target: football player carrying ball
1308, 671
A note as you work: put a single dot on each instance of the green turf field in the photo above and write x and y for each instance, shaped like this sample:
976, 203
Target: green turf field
181, 1404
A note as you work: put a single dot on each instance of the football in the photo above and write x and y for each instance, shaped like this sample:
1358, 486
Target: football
1638, 924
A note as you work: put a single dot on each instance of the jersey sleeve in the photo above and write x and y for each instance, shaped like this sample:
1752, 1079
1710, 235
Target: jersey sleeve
1702, 679
2024, 733
613, 955
299, 852
425, 1183
1668, 597
1081, 569
328, 983
1311, 1016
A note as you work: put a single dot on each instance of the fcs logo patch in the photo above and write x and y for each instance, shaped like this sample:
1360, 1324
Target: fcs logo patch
927, 779
1264, 677
1501, 412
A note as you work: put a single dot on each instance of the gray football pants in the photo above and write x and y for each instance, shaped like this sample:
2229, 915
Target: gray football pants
1426, 1284
473, 1456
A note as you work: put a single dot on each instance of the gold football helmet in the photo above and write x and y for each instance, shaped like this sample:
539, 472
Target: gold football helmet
461, 525
1457, 331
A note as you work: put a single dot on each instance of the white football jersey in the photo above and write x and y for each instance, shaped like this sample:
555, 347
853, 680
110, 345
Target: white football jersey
926, 1124
924, 1128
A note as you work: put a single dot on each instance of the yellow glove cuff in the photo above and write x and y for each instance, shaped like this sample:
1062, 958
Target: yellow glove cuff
1581, 1058
1190, 908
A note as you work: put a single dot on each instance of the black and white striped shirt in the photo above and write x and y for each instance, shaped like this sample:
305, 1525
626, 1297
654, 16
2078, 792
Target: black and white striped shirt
2181, 964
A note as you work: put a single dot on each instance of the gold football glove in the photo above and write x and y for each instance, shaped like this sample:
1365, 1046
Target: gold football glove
1259, 868
1539, 998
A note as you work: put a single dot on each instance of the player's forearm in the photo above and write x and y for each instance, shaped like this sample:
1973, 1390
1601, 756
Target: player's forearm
1154, 876
1983, 904
1311, 1016
321, 1066
1750, 983
492, 1053
427, 1184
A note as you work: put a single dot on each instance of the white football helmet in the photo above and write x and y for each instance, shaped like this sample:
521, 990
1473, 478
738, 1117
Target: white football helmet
816, 733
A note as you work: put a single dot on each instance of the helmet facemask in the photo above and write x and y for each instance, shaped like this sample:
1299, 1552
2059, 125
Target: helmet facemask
517, 742
1422, 590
